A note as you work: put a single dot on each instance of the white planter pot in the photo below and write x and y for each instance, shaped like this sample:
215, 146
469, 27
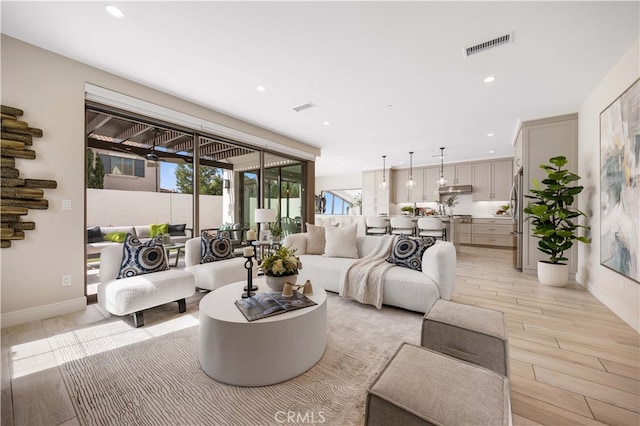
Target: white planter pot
554, 275
277, 283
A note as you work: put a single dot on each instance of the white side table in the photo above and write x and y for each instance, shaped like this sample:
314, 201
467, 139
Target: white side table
262, 352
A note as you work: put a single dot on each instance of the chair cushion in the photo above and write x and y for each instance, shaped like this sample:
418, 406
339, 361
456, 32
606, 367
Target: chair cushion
140, 258
341, 242
214, 247
408, 251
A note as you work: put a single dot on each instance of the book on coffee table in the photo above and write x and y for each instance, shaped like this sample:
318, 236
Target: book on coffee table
264, 305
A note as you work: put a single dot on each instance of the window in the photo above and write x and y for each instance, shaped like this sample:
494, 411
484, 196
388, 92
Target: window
335, 204
114, 165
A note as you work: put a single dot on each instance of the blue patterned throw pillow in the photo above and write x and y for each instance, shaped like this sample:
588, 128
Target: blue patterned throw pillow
408, 251
140, 258
214, 247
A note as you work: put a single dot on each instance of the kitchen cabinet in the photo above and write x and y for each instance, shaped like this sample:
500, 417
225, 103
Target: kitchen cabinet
492, 232
402, 193
492, 180
417, 190
517, 157
464, 233
458, 174
541, 140
375, 199
430, 176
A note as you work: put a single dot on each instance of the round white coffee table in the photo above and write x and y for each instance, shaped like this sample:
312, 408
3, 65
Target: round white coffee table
262, 352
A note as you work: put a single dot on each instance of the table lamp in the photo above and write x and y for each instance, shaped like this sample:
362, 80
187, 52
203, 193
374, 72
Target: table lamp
264, 216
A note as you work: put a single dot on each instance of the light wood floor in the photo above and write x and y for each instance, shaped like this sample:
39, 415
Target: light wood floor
572, 360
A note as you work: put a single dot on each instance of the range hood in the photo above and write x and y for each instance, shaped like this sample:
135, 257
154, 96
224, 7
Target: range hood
455, 189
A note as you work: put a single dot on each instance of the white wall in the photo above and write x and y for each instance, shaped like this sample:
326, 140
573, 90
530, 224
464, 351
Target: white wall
347, 181
107, 207
620, 294
51, 90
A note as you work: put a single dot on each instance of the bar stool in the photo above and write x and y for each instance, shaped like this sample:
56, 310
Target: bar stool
402, 226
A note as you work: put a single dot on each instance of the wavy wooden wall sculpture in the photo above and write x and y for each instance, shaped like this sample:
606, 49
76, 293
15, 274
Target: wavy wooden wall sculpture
18, 195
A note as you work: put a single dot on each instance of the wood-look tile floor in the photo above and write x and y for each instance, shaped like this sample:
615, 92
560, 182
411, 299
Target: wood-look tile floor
573, 361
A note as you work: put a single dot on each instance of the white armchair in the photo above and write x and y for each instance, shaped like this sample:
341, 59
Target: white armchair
132, 295
209, 276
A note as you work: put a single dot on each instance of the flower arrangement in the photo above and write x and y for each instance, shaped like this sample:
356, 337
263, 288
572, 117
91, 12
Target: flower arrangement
282, 262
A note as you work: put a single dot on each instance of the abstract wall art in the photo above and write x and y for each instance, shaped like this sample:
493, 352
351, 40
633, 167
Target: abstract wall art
620, 184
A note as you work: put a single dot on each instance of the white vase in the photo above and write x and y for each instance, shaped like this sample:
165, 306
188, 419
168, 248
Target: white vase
553, 274
277, 283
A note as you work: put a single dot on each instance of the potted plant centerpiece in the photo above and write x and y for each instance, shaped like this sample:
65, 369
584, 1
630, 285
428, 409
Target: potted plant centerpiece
281, 267
555, 220
407, 210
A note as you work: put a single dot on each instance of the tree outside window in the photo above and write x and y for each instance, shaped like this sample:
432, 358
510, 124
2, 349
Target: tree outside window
210, 181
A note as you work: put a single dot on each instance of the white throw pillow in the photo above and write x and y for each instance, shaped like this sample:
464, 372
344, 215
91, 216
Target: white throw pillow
341, 242
315, 239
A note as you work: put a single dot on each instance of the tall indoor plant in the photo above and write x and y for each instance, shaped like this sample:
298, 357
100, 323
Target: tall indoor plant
555, 220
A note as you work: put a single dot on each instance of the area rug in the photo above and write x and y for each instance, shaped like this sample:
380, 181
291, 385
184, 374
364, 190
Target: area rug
158, 381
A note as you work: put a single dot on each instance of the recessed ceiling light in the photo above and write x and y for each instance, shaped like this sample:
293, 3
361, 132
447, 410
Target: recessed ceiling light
489, 134
326, 123
491, 152
261, 88
490, 79
114, 11
341, 157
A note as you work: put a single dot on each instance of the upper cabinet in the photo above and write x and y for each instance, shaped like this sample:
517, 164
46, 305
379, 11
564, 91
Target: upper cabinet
375, 198
460, 174
400, 179
430, 186
492, 180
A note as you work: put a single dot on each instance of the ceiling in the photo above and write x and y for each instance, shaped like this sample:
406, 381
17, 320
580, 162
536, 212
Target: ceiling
116, 133
388, 77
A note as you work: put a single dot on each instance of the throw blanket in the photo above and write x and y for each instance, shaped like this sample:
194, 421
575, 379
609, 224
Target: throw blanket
362, 281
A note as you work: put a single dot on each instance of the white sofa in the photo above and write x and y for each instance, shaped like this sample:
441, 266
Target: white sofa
212, 275
134, 294
402, 287
142, 232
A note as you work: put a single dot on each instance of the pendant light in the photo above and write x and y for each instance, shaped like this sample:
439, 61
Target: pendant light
442, 181
410, 182
384, 184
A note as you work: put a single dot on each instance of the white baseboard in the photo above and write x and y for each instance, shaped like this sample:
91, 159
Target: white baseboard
43, 312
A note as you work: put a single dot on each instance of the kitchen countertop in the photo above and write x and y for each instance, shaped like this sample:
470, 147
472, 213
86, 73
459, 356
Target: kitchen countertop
505, 217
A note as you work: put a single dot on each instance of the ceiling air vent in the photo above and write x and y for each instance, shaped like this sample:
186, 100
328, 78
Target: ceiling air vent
305, 106
490, 44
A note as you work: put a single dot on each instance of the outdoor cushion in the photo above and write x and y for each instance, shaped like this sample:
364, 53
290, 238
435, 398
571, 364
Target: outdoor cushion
116, 237
94, 235
177, 230
158, 229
